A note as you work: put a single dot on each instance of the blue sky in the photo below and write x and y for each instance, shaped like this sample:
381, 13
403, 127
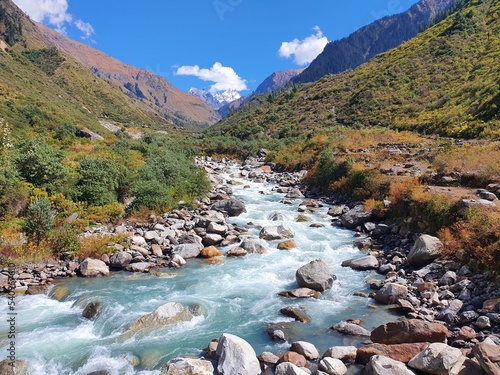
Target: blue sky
210, 44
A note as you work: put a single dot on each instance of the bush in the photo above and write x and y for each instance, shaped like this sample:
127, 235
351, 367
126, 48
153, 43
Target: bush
40, 219
13, 193
65, 238
152, 194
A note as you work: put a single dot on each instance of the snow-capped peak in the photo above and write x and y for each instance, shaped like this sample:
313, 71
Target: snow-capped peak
218, 99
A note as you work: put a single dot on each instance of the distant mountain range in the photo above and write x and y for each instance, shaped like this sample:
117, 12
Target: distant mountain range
377, 37
217, 100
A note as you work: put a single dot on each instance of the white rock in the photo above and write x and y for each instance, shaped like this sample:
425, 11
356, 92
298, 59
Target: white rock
438, 359
236, 356
381, 365
187, 366
93, 268
307, 349
332, 366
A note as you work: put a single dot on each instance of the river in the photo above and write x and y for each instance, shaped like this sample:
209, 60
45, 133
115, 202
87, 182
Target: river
238, 296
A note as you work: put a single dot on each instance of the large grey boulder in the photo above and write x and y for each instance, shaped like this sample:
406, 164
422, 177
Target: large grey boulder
438, 359
306, 349
167, 314
315, 275
350, 329
368, 262
18, 367
120, 260
236, 356
232, 206
332, 366
276, 232
425, 250
355, 217
391, 293
252, 246
187, 366
449, 314
188, 250
93, 268
287, 368
380, 365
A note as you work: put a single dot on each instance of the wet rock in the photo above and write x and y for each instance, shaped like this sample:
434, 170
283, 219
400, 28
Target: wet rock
283, 331
408, 331
188, 250
187, 366
315, 275
307, 349
93, 268
391, 293
439, 359
351, 329
276, 232
276, 216
236, 356
346, 354
332, 366
167, 314
217, 228
7, 367
425, 250
92, 310
355, 217
296, 314
287, 245
398, 352
364, 263
489, 357
37, 289
236, 252
141, 267
232, 206
287, 368
300, 293
380, 365
210, 252
212, 239
120, 260
252, 246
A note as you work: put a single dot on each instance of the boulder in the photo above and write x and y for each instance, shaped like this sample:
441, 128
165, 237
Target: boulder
187, 366
287, 368
139, 267
391, 293
294, 193
216, 228
284, 331
276, 232
276, 216
287, 245
449, 314
425, 250
368, 262
177, 259
407, 331
346, 354
139, 241
236, 356
92, 310
7, 367
300, 293
232, 206
210, 252
296, 314
439, 359
156, 250
212, 239
269, 358
253, 246
380, 365
350, 329
355, 217
236, 252
488, 356
187, 250
93, 268
295, 358
315, 275
307, 349
398, 352
167, 314
332, 366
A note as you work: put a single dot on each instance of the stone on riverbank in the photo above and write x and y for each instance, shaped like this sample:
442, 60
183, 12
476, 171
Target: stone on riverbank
276, 232
93, 268
287, 368
488, 357
380, 365
187, 366
188, 250
307, 349
355, 217
398, 352
232, 206
332, 366
351, 329
346, 354
425, 250
408, 331
210, 252
315, 275
236, 356
391, 293
368, 262
439, 359
252, 246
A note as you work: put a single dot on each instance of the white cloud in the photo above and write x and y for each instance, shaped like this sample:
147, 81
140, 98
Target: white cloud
224, 77
306, 50
54, 13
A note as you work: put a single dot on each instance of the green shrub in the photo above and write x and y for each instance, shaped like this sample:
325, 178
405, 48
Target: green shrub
40, 219
65, 238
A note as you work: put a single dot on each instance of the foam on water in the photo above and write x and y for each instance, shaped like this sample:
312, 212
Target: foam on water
239, 296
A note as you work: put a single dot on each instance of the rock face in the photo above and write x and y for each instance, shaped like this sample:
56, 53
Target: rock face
398, 352
120, 260
390, 293
425, 250
439, 359
315, 275
232, 206
355, 217
380, 365
93, 268
276, 232
407, 331
364, 263
489, 357
236, 356
169, 313
187, 366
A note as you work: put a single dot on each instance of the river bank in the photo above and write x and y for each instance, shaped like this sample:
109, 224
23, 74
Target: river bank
423, 286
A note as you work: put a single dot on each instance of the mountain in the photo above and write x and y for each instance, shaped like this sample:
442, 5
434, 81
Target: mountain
168, 101
444, 81
217, 100
375, 38
277, 81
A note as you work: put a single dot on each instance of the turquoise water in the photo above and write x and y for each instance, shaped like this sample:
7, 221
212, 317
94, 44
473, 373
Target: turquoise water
237, 296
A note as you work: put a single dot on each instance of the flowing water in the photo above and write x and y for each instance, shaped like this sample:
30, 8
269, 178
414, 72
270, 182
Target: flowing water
237, 296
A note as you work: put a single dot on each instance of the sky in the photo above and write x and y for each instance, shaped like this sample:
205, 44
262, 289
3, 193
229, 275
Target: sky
211, 44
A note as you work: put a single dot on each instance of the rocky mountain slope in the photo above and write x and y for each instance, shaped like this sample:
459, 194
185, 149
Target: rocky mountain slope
377, 37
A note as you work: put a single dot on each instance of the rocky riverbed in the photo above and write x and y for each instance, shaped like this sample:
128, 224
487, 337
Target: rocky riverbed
451, 316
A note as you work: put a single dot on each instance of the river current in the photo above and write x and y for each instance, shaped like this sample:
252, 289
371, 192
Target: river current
238, 296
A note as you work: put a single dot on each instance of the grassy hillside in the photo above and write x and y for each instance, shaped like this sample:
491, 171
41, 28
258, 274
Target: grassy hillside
444, 81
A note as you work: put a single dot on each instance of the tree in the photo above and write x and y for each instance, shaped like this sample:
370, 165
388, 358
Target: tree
40, 219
